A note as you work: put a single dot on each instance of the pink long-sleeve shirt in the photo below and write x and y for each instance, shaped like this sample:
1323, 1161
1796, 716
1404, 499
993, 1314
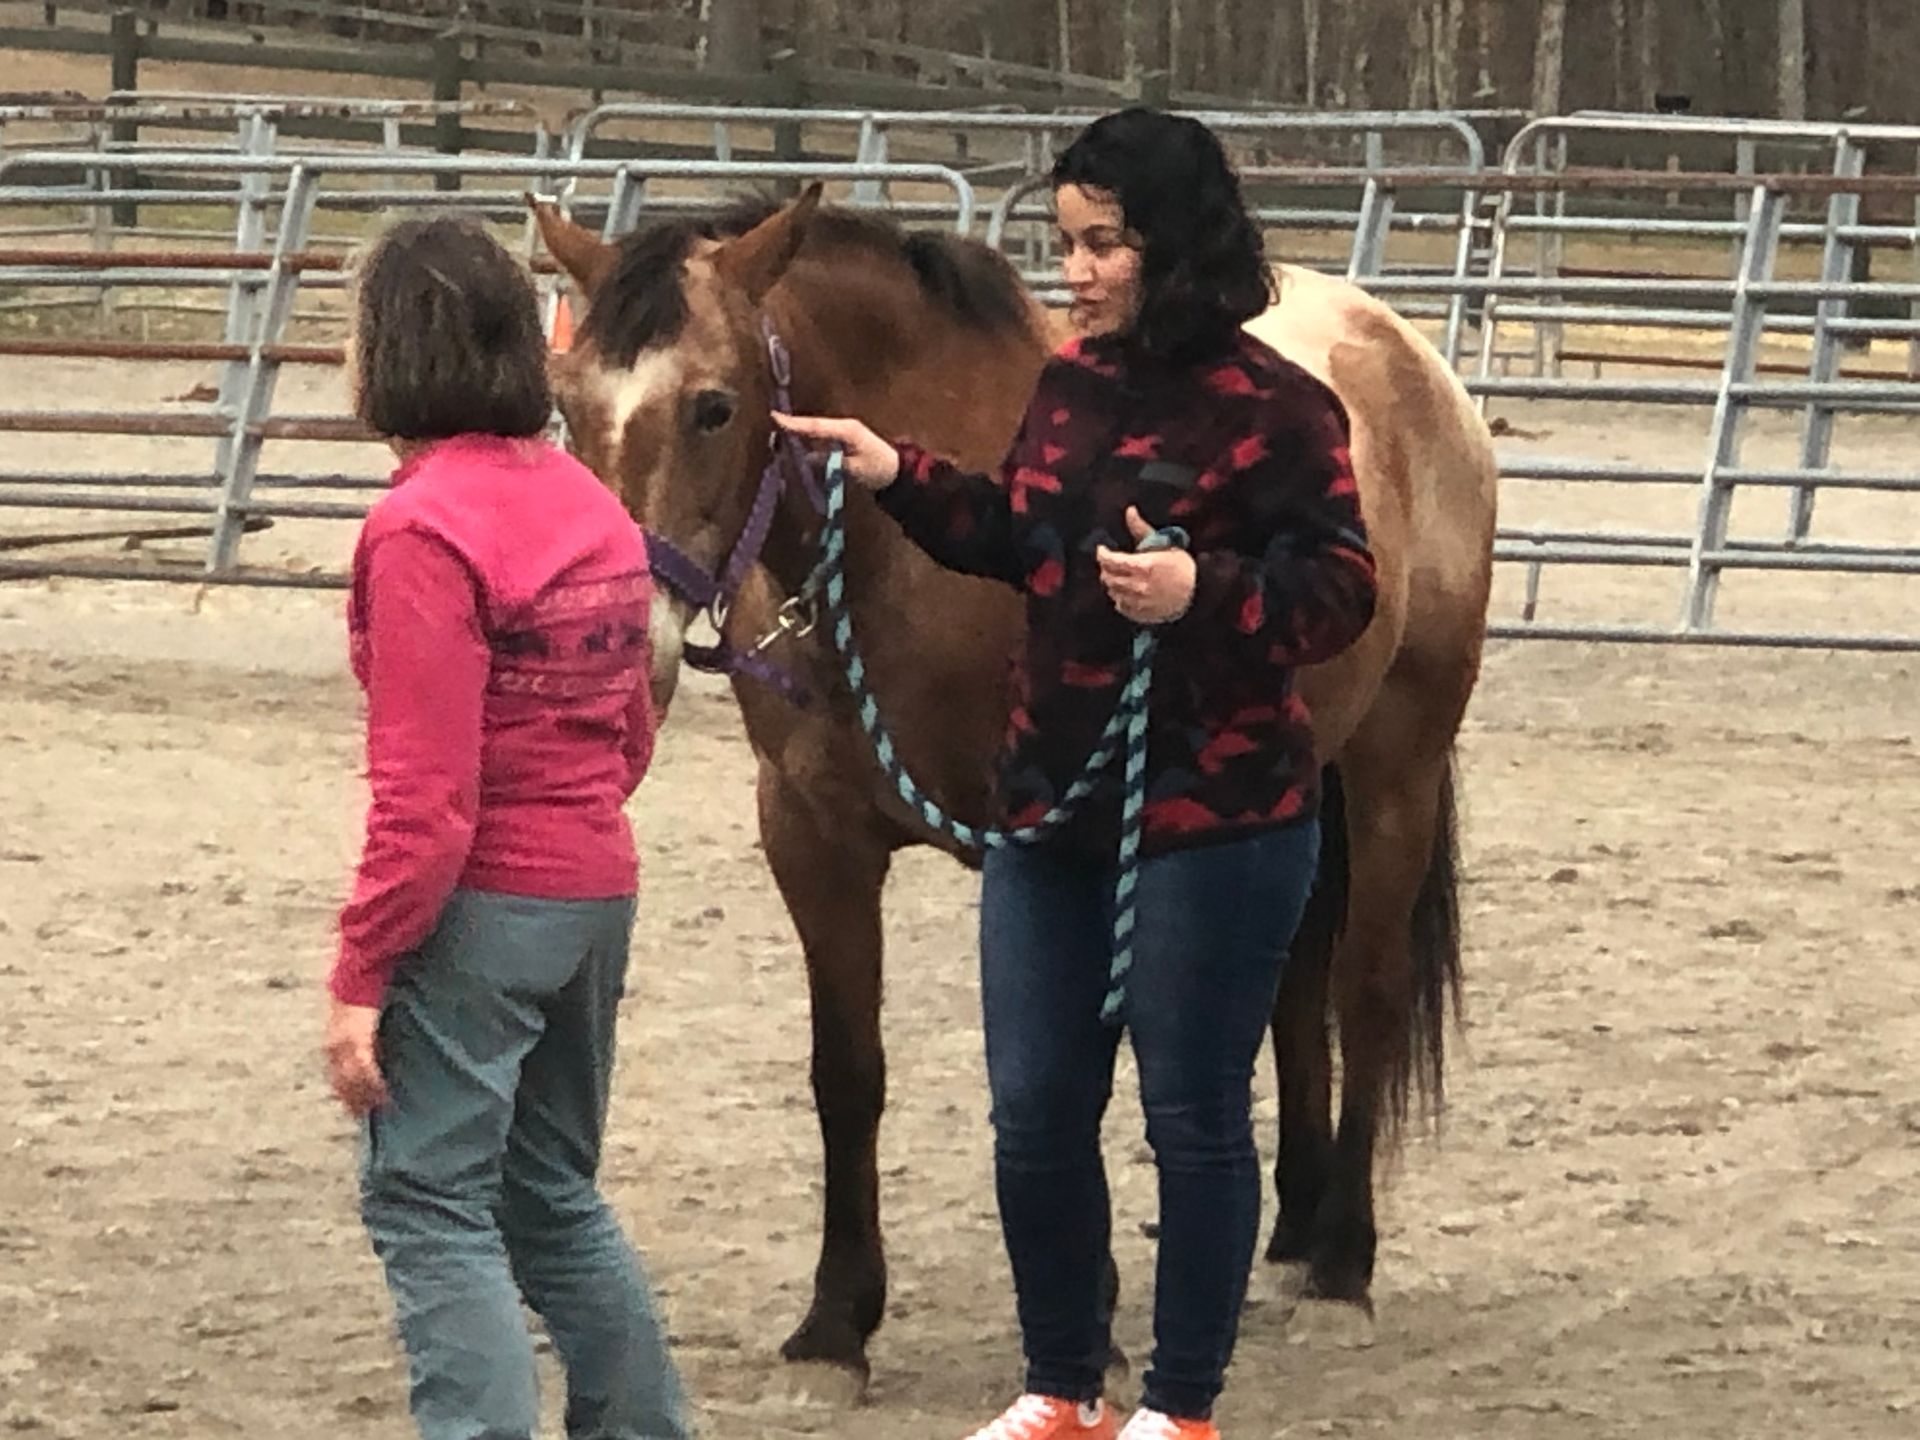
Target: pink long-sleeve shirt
498, 625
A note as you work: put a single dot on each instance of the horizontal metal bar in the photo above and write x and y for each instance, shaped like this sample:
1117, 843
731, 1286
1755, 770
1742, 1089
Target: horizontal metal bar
1625, 122
1733, 639
1610, 317
1646, 392
1672, 540
106, 422
1524, 223
179, 575
1638, 288
118, 504
315, 427
148, 107
1839, 392
113, 504
1239, 122
167, 350
1521, 468
118, 481
1677, 557
388, 162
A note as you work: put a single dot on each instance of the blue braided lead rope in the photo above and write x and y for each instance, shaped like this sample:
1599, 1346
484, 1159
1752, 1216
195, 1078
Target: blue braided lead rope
1126, 727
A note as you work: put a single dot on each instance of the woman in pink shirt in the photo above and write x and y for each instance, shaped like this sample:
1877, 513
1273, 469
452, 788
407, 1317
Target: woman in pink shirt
498, 625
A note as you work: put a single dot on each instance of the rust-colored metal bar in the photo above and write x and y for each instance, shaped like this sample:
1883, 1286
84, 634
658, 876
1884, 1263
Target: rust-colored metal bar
1604, 272
210, 352
253, 523
314, 427
166, 259
99, 422
174, 427
193, 574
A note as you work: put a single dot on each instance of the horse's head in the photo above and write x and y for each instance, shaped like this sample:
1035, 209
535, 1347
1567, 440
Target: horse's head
667, 387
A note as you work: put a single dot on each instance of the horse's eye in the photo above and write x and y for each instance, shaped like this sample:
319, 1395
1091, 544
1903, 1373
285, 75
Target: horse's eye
712, 411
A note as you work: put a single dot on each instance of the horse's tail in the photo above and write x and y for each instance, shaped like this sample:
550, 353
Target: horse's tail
1420, 1054
1434, 937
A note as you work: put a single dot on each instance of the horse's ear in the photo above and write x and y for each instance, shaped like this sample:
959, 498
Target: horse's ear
581, 253
756, 261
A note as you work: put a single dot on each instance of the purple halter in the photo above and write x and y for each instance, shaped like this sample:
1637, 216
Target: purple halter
693, 583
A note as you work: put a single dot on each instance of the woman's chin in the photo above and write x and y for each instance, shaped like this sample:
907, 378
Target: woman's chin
1089, 324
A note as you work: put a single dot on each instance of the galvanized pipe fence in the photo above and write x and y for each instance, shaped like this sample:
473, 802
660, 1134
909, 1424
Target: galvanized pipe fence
1776, 342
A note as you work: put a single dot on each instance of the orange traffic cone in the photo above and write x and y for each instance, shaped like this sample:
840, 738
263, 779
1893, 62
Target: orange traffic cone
561, 340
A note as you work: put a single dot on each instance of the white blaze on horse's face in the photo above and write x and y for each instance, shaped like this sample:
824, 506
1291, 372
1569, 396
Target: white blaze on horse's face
607, 406
674, 447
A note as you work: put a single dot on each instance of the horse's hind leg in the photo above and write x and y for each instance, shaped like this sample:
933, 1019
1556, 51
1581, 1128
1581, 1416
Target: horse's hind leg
1301, 1054
830, 872
1393, 972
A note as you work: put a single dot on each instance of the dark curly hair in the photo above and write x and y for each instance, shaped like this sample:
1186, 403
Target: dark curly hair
1203, 267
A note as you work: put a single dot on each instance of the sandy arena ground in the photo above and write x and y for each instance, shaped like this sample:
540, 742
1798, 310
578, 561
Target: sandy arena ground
1677, 1195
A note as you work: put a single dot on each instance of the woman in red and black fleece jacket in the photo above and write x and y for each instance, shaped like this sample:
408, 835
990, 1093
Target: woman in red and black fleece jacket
1163, 412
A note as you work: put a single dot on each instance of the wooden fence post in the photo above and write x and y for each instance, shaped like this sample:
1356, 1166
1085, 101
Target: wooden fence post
449, 81
124, 31
790, 91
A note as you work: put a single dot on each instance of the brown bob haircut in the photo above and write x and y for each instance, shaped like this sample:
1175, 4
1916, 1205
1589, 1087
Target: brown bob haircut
446, 335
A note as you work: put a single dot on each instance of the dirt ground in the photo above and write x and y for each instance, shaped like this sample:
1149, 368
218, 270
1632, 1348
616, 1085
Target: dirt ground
1676, 1194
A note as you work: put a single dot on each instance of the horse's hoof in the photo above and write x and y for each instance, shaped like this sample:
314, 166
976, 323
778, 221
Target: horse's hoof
1320, 1324
826, 1363
1295, 1280
817, 1385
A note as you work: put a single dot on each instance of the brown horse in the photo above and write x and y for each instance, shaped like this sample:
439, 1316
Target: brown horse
666, 395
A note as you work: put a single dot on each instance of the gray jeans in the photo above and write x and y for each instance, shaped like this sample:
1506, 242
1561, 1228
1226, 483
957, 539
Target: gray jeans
478, 1186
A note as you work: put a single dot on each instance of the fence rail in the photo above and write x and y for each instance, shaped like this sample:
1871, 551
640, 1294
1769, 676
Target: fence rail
1772, 328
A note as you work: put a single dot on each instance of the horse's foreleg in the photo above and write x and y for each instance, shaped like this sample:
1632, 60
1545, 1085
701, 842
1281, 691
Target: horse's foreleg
1397, 852
830, 872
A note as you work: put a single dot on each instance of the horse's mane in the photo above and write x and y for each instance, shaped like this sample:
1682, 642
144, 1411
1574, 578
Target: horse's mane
641, 302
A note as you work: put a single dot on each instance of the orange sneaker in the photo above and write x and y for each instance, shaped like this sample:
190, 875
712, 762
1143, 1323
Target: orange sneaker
1042, 1417
1152, 1425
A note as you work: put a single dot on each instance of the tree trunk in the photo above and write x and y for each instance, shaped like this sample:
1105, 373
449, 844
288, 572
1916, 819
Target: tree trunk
1793, 60
1550, 57
1223, 69
1447, 22
1283, 44
1310, 37
1485, 91
733, 36
1623, 85
1647, 51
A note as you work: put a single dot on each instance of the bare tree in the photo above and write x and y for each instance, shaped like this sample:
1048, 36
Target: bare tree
1646, 52
1310, 37
733, 35
1483, 32
1793, 60
1550, 57
1446, 23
